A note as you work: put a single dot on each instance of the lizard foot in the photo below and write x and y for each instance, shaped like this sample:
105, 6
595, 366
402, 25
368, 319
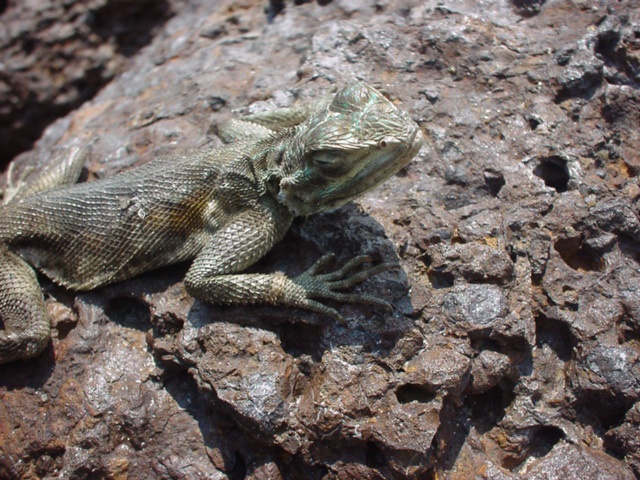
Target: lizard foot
313, 284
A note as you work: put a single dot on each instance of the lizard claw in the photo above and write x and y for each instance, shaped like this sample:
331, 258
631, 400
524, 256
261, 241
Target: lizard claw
312, 284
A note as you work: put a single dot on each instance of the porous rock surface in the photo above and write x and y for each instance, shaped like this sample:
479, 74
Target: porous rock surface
513, 351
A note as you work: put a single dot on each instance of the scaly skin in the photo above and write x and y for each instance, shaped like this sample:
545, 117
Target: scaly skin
222, 208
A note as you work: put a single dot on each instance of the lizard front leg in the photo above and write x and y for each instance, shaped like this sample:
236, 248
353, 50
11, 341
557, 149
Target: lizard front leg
26, 325
214, 275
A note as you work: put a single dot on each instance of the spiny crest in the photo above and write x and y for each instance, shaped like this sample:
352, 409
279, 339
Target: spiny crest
353, 98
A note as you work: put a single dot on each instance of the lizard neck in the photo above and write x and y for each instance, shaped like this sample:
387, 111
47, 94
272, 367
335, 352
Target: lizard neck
270, 159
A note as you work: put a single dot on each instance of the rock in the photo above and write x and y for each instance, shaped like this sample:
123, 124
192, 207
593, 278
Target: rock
512, 350
573, 461
58, 55
623, 440
472, 262
230, 364
607, 379
475, 308
487, 370
441, 371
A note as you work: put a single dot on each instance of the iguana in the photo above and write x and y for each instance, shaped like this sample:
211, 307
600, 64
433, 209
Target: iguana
223, 208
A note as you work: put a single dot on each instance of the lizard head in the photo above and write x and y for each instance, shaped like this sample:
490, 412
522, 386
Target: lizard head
353, 144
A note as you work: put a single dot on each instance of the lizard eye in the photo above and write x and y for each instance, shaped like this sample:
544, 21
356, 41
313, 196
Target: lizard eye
330, 163
325, 158
385, 142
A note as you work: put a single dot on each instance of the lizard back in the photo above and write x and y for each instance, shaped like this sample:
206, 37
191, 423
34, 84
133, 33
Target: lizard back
100, 232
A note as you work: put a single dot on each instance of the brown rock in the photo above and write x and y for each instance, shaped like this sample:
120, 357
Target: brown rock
513, 348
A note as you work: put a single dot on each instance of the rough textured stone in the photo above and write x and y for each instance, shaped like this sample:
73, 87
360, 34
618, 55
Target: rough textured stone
55, 55
513, 349
572, 461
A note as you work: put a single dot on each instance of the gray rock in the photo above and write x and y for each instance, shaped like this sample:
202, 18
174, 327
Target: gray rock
512, 351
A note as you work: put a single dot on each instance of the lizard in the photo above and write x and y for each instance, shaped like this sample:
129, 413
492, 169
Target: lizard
222, 208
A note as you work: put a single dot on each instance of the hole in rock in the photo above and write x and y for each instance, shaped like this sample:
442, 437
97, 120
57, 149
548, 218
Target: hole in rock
130, 312
131, 24
602, 409
578, 256
553, 170
239, 470
301, 339
441, 279
629, 331
629, 248
607, 48
544, 440
537, 442
274, 9
414, 393
494, 181
489, 407
534, 122
556, 335
374, 456
528, 8
64, 328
